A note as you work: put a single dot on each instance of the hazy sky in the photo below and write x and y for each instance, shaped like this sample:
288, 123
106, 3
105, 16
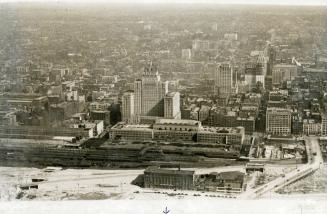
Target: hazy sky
278, 2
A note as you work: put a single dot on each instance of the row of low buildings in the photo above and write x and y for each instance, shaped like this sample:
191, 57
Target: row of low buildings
178, 130
315, 127
283, 121
239, 110
82, 129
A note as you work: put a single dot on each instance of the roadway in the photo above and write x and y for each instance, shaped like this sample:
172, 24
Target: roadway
314, 161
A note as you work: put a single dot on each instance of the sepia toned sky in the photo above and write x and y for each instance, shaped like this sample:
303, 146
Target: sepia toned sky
276, 2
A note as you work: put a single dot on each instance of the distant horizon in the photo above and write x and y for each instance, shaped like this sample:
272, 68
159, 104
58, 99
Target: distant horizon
188, 2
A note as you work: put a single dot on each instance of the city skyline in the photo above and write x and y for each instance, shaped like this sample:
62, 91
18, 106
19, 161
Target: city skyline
171, 101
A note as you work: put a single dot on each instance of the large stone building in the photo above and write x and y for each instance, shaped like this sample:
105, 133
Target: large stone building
101, 115
150, 92
131, 132
226, 182
172, 105
154, 177
254, 74
38, 132
311, 127
128, 107
324, 124
278, 121
172, 130
21, 100
224, 79
283, 72
150, 99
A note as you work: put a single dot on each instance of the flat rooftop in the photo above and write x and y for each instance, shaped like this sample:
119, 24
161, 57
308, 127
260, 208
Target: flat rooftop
285, 66
177, 122
227, 130
276, 109
54, 141
154, 169
171, 94
124, 126
250, 118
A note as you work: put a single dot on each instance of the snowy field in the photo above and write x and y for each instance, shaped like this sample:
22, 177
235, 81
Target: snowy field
87, 184
96, 184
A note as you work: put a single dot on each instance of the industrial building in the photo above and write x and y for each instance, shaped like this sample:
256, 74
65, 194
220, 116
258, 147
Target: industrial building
226, 182
154, 177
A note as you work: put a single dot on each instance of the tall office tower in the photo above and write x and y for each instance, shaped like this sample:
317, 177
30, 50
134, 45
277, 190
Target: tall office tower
172, 105
128, 107
270, 52
256, 70
138, 97
150, 92
224, 79
262, 62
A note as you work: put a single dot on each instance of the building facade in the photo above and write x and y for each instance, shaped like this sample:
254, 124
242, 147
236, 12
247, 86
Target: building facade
172, 105
311, 127
154, 177
224, 79
283, 72
172, 130
324, 125
149, 93
278, 121
128, 107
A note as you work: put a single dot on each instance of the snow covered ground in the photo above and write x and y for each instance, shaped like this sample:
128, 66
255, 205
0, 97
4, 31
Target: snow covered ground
96, 184
71, 184
68, 184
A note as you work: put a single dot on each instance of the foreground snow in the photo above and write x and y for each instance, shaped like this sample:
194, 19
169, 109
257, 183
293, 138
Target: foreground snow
95, 184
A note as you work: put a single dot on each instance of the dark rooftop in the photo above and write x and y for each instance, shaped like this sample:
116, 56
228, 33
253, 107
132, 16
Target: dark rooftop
155, 169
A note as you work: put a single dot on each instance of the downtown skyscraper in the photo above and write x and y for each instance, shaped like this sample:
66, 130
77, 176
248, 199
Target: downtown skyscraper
224, 79
150, 92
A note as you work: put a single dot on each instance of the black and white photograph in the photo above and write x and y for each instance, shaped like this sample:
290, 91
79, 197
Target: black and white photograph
163, 106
